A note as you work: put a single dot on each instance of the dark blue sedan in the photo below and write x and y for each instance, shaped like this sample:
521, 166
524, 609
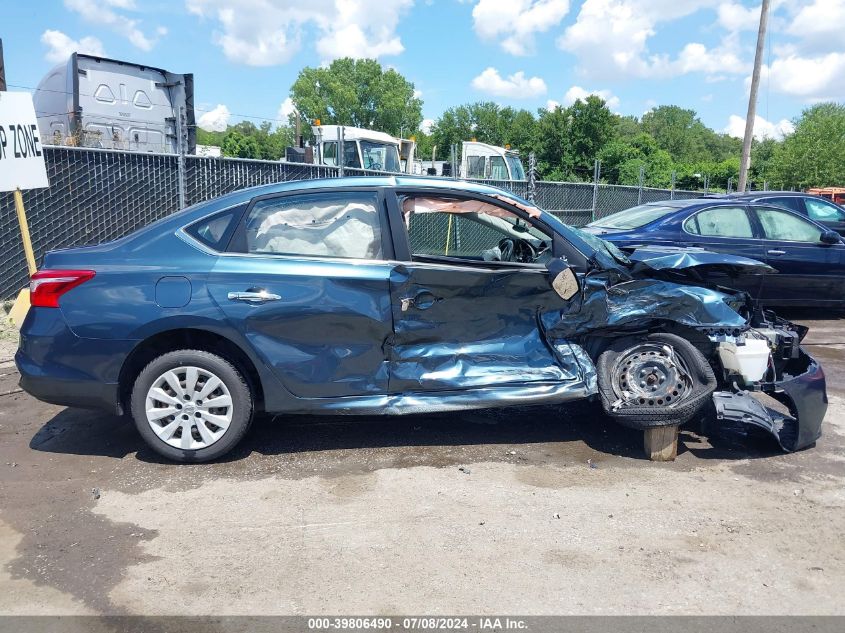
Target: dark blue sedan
809, 258
399, 295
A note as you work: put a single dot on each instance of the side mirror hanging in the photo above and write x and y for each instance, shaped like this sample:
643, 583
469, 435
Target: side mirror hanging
562, 278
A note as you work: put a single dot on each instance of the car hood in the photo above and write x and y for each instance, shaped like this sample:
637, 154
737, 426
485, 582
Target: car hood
656, 258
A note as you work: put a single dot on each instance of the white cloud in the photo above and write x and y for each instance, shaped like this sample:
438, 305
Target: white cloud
820, 19
515, 22
610, 37
61, 46
426, 126
734, 16
819, 78
267, 33
696, 57
762, 128
417, 93
100, 12
577, 92
516, 86
551, 105
215, 120
285, 110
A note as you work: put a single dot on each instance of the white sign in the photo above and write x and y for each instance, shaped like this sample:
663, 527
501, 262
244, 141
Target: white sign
21, 153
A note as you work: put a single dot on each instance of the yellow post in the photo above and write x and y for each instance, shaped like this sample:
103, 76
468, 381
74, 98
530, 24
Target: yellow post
21, 305
27, 240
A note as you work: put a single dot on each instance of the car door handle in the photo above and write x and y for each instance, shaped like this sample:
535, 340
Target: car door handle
776, 252
250, 296
421, 301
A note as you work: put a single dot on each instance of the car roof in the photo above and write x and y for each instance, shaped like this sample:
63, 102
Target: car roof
753, 195
691, 202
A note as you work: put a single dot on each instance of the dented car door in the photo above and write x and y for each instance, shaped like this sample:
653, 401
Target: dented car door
463, 322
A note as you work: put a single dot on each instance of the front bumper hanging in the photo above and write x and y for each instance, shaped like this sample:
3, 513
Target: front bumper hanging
801, 390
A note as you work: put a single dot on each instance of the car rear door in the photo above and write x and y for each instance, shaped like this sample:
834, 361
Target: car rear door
726, 229
808, 271
306, 282
461, 322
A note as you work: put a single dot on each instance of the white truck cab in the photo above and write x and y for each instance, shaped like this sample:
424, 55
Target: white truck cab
483, 161
364, 149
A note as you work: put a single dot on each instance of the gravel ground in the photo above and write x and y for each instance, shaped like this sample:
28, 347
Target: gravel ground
542, 510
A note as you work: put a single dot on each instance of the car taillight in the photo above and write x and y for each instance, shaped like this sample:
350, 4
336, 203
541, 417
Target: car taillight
46, 286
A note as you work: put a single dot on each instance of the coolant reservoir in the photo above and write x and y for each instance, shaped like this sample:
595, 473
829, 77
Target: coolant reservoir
749, 360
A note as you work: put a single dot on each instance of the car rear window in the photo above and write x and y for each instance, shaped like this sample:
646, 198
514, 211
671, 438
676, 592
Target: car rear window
634, 217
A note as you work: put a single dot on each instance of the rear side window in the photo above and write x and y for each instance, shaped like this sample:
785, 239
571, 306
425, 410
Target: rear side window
789, 202
720, 222
342, 225
786, 227
216, 230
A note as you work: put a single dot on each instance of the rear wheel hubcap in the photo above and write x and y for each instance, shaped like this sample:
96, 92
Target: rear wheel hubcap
189, 407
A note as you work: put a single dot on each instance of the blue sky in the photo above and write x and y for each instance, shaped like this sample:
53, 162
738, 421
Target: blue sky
525, 53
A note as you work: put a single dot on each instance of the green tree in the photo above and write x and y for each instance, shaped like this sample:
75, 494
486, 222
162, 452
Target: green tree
678, 131
591, 127
813, 155
246, 140
554, 155
360, 93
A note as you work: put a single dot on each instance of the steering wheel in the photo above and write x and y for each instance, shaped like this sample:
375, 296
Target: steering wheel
525, 252
375, 166
507, 246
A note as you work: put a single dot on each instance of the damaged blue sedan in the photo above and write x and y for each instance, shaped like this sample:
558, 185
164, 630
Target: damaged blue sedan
396, 295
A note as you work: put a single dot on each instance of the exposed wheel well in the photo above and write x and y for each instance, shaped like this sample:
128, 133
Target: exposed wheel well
172, 340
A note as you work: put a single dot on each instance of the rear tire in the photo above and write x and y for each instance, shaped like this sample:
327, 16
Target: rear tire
191, 405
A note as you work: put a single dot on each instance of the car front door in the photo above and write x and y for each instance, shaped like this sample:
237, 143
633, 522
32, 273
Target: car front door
809, 271
306, 282
826, 213
726, 229
463, 318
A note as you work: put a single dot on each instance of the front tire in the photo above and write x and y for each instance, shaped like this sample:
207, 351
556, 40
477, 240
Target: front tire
657, 380
191, 405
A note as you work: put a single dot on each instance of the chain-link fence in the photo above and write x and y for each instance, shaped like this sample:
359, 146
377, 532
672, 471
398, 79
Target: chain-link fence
99, 195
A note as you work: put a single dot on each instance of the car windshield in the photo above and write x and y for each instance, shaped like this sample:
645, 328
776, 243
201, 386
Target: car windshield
634, 217
517, 171
380, 156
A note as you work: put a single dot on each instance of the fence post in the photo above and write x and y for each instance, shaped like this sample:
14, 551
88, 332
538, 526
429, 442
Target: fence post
672, 187
765, 185
642, 180
706, 183
180, 158
341, 154
596, 178
730, 183
531, 194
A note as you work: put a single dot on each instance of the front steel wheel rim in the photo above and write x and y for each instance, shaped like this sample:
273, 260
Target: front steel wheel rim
189, 408
651, 375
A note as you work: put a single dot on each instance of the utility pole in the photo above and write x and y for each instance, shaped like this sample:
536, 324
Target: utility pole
752, 99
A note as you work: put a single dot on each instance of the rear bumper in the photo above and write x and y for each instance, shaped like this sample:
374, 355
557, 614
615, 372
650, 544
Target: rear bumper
58, 367
85, 394
803, 391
